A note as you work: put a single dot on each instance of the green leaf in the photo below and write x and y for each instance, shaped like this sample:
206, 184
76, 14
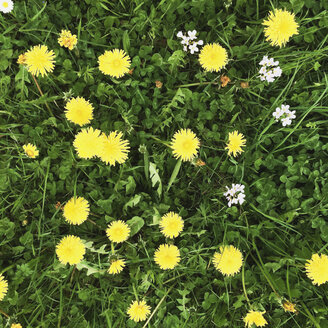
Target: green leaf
132, 202
155, 178
126, 41
135, 224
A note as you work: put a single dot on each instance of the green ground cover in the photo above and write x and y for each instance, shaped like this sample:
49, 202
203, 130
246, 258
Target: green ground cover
282, 222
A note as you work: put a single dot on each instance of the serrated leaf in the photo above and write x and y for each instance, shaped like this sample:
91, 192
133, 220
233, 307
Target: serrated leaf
90, 269
132, 202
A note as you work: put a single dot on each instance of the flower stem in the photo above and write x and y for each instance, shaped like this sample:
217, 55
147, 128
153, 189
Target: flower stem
112, 247
73, 274
243, 283
4, 313
41, 93
157, 306
135, 292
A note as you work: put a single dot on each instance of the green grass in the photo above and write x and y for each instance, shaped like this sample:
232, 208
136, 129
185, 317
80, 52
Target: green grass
284, 169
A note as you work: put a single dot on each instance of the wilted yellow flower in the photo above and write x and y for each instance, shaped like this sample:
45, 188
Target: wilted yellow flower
167, 256
116, 266
79, 111
255, 317
280, 26
3, 287
39, 60
171, 224
185, 144
317, 269
76, 210
114, 148
138, 311
228, 261
224, 80
70, 250
289, 307
158, 84
118, 231
213, 57
31, 150
66, 39
115, 63
236, 141
88, 143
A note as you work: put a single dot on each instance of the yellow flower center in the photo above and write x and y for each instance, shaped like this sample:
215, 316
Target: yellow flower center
116, 62
187, 144
284, 26
5, 4
29, 153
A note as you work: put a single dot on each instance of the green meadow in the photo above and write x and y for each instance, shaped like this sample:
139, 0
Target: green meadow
283, 166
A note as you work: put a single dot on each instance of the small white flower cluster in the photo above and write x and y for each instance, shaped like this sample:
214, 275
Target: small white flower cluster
284, 115
269, 69
190, 41
6, 6
235, 195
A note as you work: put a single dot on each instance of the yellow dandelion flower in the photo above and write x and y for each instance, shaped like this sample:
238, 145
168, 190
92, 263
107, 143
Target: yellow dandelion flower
118, 231
16, 325
116, 266
76, 210
167, 256
185, 144
255, 317
31, 150
138, 311
70, 250
114, 149
40, 60
228, 261
317, 269
171, 225
79, 111
66, 39
21, 59
289, 307
213, 57
115, 63
280, 26
88, 143
3, 287
236, 141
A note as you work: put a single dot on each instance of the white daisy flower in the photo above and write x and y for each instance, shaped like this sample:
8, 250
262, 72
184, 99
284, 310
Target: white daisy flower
193, 48
180, 34
277, 113
185, 40
269, 69
264, 61
192, 34
6, 6
286, 121
284, 114
277, 71
235, 194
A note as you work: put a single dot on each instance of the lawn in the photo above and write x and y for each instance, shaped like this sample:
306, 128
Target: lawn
163, 164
